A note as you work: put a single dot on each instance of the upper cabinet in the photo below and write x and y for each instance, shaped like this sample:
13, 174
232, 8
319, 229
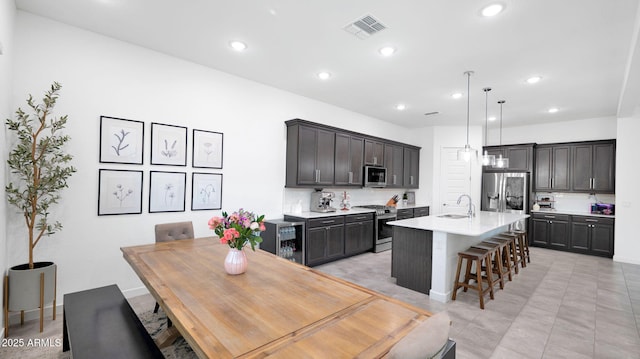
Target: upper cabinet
520, 156
576, 167
320, 156
552, 168
310, 156
393, 159
411, 167
594, 167
373, 153
348, 160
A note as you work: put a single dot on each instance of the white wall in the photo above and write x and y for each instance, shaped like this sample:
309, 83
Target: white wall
102, 76
627, 245
7, 17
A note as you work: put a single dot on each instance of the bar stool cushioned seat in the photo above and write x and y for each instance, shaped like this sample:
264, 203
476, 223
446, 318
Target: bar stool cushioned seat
426, 340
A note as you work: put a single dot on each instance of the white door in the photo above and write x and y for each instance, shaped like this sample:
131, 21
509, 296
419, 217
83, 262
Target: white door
455, 179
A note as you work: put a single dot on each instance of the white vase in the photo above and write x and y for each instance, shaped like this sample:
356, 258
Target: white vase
235, 262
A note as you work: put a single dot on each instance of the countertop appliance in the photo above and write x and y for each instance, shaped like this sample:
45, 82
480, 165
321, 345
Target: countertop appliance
382, 231
321, 201
506, 192
375, 176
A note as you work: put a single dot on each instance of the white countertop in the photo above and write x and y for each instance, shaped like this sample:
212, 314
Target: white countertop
339, 212
482, 223
573, 213
400, 206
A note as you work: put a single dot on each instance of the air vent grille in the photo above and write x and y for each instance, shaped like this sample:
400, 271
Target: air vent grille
365, 27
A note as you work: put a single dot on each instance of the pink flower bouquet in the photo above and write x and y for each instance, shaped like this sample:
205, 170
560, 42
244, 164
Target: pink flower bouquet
238, 228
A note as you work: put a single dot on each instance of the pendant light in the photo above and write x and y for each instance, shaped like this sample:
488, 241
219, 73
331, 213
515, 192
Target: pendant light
501, 162
467, 152
487, 159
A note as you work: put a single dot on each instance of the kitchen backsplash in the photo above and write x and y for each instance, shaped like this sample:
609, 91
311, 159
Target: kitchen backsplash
294, 197
576, 202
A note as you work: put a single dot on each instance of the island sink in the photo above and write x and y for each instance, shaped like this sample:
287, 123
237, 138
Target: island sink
453, 216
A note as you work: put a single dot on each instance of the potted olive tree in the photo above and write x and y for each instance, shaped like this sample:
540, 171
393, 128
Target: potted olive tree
39, 170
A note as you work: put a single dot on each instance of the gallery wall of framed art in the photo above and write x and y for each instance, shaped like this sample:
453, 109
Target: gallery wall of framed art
121, 188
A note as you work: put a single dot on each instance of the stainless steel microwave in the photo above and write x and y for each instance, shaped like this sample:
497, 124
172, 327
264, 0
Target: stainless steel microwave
375, 176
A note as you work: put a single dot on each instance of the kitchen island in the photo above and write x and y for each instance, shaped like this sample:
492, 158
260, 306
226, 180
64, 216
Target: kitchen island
425, 249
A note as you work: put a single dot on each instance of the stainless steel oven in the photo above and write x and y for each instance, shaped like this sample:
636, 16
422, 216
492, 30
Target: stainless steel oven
383, 231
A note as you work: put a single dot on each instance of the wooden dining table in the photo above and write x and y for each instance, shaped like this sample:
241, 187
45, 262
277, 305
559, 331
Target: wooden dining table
276, 309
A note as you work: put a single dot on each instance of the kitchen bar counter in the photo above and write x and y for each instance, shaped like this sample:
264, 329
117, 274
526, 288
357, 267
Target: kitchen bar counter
425, 249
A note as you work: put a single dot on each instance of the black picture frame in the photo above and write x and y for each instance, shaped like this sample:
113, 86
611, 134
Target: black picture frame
121, 140
168, 145
167, 191
119, 192
207, 149
206, 191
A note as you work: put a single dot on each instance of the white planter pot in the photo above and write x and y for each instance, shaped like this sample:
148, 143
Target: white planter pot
31, 289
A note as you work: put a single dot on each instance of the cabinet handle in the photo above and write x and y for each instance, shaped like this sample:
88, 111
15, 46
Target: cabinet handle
375, 160
394, 179
591, 220
350, 177
550, 217
411, 179
550, 222
593, 186
327, 222
317, 176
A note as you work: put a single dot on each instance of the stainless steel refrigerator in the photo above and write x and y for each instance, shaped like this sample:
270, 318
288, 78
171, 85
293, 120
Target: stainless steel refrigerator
506, 192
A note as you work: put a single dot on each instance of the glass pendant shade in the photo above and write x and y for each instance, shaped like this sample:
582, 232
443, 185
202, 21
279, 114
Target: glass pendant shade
488, 160
467, 153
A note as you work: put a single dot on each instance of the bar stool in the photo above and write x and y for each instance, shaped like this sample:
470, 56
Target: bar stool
505, 250
495, 263
471, 255
516, 254
525, 241
519, 238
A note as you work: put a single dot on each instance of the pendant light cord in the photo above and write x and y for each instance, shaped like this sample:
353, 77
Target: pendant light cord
486, 113
468, 73
501, 102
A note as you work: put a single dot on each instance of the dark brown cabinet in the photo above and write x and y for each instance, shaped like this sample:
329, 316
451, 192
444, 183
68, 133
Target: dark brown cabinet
421, 211
373, 153
550, 230
358, 233
594, 167
411, 160
310, 156
394, 162
348, 160
404, 213
325, 239
552, 168
592, 235
520, 156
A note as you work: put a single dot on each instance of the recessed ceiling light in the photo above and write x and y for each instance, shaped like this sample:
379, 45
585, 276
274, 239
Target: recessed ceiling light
387, 51
534, 79
238, 45
492, 118
457, 95
324, 75
400, 107
492, 10
553, 110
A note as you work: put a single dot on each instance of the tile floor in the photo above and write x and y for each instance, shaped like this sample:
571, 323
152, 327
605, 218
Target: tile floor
563, 305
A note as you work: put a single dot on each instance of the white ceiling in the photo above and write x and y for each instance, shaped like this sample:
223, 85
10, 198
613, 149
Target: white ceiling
579, 47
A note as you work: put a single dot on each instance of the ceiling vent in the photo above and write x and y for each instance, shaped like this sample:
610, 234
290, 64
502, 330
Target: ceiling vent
431, 113
365, 27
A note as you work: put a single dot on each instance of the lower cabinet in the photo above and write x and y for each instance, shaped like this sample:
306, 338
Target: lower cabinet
358, 234
592, 235
335, 237
580, 234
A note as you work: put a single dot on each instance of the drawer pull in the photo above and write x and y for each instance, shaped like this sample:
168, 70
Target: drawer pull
328, 222
591, 220
549, 216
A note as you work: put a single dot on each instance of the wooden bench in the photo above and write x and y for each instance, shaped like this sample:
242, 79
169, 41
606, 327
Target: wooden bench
100, 323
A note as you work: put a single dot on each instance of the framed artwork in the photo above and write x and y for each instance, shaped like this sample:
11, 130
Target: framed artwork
119, 192
168, 145
207, 149
206, 191
166, 191
121, 140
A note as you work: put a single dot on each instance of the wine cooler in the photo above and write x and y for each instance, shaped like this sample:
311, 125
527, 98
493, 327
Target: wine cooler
284, 239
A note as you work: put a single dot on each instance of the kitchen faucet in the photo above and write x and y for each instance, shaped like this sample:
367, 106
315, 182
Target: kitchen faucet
472, 209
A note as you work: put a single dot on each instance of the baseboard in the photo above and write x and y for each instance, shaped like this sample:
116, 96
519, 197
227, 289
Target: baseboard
135, 292
440, 297
621, 259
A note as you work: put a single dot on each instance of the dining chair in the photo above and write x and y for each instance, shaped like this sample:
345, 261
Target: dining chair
166, 232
